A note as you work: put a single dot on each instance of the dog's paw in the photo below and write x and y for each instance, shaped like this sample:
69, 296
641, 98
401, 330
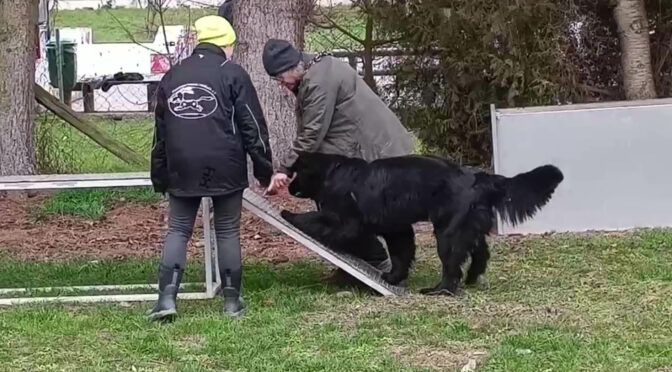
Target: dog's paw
287, 215
438, 291
471, 280
391, 278
479, 281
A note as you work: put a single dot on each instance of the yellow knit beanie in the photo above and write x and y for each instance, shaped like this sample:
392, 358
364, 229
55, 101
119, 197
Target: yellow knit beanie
215, 30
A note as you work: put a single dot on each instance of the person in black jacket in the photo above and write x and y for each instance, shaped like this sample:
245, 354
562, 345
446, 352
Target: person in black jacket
208, 118
226, 10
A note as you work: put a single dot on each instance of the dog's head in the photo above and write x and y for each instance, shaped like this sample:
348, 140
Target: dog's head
310, 171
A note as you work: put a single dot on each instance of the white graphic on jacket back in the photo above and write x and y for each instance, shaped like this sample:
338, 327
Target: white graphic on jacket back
192, 101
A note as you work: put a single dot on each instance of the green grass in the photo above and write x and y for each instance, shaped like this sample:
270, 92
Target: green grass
562, 303
93, 203
63, 149
132, 271
106, 29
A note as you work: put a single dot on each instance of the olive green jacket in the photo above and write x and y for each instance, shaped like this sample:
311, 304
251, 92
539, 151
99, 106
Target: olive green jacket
340, 114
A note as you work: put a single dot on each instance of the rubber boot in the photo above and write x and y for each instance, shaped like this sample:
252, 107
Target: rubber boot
169, 284
234, 306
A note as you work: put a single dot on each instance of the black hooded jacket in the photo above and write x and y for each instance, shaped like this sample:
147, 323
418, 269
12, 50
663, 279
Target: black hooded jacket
208, 117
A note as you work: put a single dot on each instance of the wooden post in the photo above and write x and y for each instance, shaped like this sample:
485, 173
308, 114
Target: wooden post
151, 95
88, 97
59, 65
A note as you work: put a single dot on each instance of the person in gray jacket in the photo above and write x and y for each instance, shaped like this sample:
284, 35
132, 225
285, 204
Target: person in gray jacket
338, 114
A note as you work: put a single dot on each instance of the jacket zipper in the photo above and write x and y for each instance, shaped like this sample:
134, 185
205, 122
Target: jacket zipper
258, 129
233, 124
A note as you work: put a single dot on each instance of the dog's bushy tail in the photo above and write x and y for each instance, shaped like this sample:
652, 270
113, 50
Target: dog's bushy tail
519, 198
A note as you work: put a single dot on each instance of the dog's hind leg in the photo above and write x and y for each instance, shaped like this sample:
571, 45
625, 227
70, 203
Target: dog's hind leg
453, 251
312, 223
401, 245
370, 249
479, 261
325, 227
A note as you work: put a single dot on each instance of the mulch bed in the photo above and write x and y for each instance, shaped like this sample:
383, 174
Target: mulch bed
127, 231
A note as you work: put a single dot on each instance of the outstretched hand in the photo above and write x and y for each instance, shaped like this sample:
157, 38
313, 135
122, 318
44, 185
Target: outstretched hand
278, 181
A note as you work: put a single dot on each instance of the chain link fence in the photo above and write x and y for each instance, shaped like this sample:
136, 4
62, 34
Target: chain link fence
123, 107
124, 112
341, 30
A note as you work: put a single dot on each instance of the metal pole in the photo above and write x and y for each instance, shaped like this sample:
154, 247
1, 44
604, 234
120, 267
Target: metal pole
207, 244
59, 67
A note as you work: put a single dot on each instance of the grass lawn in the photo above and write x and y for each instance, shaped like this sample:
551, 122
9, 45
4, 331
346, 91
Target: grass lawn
93, 204
63, 149
107, 29
599, 303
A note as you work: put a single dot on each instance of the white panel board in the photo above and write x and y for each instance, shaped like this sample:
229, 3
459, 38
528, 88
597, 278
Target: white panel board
616, 158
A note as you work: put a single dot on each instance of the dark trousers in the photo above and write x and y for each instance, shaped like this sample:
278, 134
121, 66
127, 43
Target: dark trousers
227, 229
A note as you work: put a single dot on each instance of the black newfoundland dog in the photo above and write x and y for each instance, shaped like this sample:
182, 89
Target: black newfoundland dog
360, 200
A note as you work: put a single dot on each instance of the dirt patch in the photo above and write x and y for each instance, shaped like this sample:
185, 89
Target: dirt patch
439, 359
127, 231
191, 342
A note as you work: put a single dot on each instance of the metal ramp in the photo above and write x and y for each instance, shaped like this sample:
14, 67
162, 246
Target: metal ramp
354, 266
253, 202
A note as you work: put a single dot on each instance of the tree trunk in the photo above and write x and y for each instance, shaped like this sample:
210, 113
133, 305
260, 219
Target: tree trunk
255, 22
18, 33
633, 29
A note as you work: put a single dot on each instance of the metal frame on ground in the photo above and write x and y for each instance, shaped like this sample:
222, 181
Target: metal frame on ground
51, 182
251, 201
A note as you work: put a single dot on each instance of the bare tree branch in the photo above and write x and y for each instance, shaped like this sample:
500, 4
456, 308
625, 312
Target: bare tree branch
592, 89
159, 7
662, 61
379, 43
335, 25
129, 34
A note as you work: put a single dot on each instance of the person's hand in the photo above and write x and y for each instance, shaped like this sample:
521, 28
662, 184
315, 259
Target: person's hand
278, 181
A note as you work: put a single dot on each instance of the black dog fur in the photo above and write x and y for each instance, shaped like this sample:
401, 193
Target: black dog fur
360, 200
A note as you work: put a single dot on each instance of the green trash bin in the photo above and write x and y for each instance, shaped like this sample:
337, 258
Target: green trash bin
69, 49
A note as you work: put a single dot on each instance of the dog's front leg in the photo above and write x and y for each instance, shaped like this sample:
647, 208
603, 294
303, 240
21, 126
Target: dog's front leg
453, 252
401, 245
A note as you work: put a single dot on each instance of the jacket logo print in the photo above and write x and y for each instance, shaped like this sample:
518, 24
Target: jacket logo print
192, 101
207, 176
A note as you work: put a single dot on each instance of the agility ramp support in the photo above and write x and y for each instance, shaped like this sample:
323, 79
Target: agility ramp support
253, 202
